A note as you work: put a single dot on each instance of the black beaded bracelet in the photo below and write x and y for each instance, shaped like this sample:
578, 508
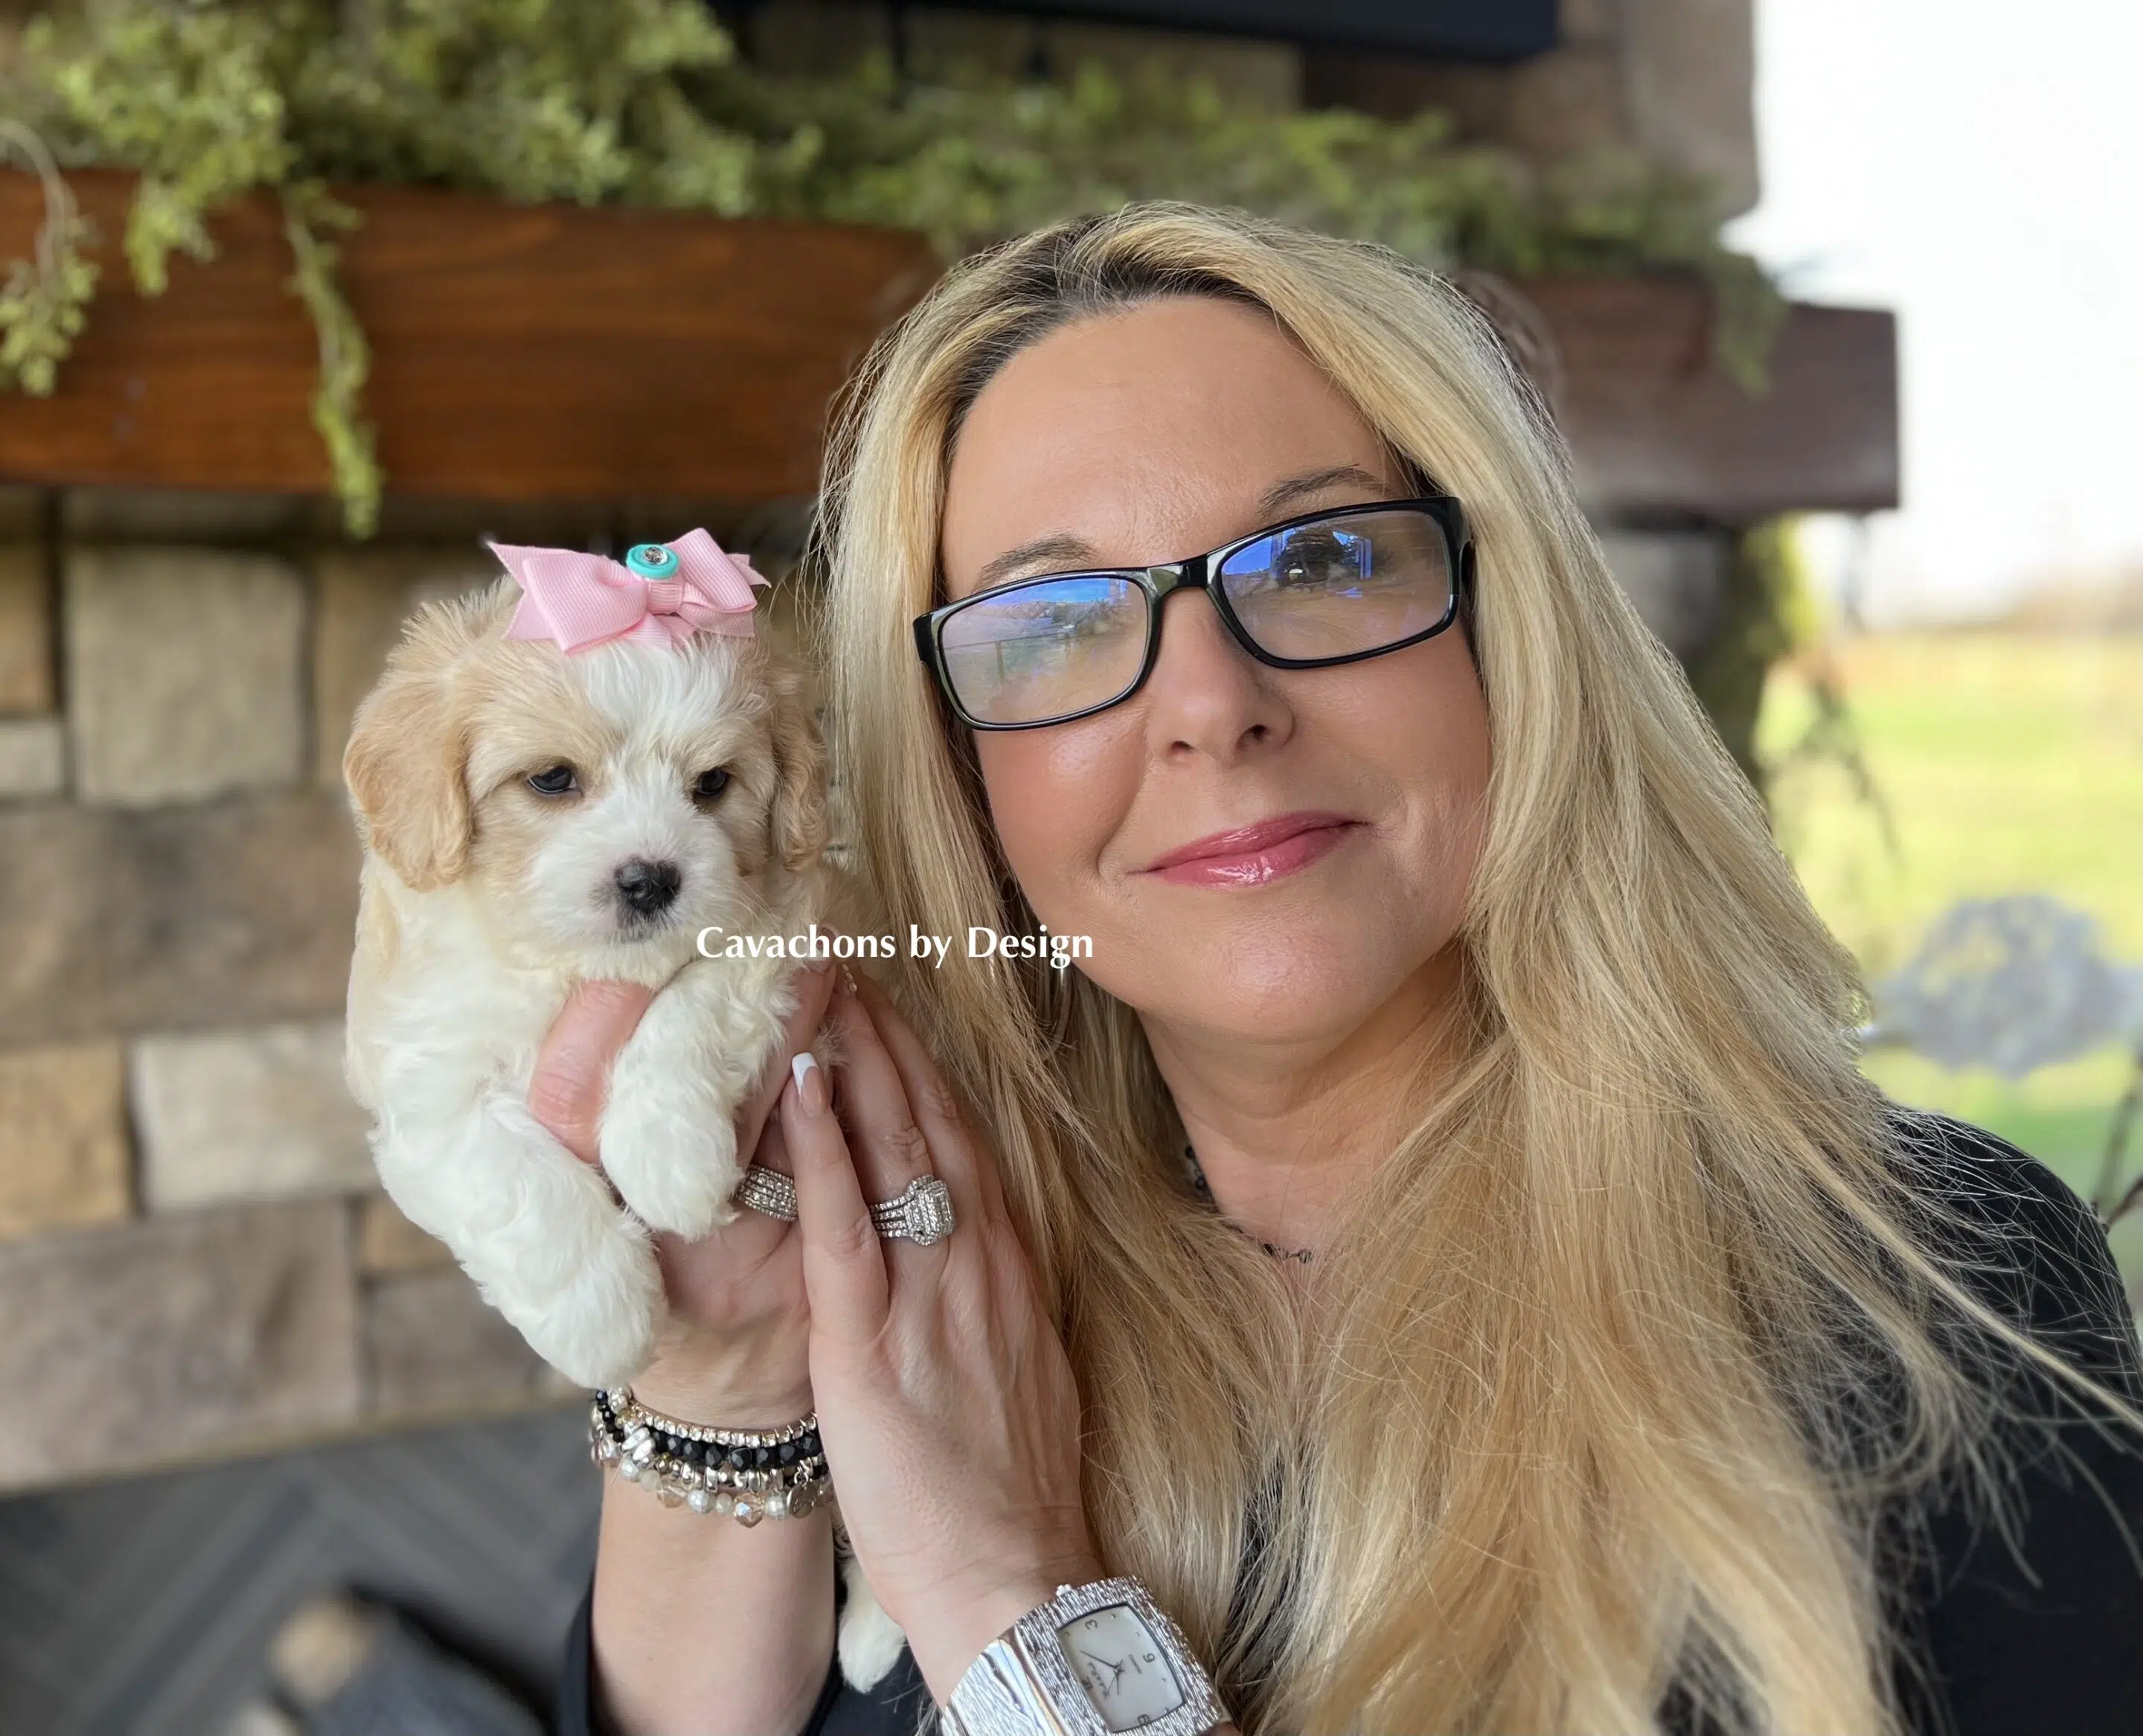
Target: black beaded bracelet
747, 1474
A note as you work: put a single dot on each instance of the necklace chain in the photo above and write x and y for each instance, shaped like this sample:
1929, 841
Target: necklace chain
1198, 1182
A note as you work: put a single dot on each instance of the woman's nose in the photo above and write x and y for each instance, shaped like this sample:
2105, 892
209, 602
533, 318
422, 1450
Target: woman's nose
1207, 693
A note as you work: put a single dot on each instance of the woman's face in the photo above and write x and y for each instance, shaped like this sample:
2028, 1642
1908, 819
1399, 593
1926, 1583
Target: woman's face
1135, 438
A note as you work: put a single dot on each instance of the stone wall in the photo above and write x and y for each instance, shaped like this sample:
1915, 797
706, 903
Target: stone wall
194, 1258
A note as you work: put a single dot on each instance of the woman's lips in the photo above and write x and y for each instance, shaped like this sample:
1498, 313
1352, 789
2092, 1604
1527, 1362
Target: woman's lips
1252, 855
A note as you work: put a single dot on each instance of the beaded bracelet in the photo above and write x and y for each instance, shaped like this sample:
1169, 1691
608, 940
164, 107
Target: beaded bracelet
745, 1474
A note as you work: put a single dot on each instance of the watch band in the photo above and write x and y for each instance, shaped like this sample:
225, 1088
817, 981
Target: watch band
1024, 1683
999, 1696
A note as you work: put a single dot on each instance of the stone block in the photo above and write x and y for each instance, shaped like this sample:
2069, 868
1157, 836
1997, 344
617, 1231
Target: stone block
363, 597
26, 631
387, 1243
33, 757
183, 672
1676, 578
230, 913
246, 1115
1689, 82
1565, 102
1588, 21
434, 1346
175, 1338
63, 1138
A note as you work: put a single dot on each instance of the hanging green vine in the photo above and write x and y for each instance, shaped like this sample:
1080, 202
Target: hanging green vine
644, 101
44, 303
337, 404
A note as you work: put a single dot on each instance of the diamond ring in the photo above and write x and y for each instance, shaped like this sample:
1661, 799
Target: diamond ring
769, 1191
921, 1213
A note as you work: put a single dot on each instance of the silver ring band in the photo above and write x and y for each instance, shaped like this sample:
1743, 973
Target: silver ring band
922, 1213
769, 1191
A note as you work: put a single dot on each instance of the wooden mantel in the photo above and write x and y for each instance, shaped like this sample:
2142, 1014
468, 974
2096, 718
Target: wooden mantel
554, 351
518, 351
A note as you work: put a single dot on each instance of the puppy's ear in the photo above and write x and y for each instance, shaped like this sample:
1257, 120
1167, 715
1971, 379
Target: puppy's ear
408, 752
798, 823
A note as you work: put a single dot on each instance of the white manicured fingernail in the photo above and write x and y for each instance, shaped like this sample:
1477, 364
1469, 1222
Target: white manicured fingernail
802, 1062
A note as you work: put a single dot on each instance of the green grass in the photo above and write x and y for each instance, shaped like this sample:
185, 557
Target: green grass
2006, 763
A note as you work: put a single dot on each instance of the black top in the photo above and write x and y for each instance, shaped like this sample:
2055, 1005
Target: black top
2056, 1649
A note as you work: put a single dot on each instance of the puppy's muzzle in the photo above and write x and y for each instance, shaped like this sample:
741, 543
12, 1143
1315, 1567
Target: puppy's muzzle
647, 888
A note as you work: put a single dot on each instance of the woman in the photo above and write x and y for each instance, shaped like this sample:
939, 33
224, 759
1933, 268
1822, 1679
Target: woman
1438, 1242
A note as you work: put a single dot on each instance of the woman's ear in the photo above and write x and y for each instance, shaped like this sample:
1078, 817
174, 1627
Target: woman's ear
798, 823
407, 754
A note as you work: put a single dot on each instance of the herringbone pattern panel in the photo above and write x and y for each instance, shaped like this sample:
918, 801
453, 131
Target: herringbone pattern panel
143, 1608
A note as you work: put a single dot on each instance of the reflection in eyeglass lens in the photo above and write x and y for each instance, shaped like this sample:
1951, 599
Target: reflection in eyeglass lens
1046, 650
1342, 585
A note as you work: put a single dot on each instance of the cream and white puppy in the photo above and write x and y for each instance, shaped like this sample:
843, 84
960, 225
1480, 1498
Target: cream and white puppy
531, 820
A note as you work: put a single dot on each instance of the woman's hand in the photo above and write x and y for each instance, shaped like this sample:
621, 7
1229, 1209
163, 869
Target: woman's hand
734, 1350
947, 1404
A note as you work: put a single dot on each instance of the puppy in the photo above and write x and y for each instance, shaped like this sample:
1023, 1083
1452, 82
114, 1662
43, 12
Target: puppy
533, 817
571, 782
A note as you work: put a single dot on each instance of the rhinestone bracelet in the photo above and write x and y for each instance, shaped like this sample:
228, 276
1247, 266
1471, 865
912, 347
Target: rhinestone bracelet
747, 1474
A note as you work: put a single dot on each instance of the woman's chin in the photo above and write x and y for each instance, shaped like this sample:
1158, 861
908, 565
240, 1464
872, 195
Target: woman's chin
1304, 998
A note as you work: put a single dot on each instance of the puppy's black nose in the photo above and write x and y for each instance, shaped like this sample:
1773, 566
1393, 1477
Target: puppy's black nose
647, 887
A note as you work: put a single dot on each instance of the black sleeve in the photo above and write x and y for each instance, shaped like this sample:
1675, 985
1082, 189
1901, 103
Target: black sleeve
2046, 1636
895, 1706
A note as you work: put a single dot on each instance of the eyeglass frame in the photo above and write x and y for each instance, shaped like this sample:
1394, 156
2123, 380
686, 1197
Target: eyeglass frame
1197, 573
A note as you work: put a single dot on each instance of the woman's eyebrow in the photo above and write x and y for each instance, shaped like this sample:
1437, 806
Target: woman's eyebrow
1316, 481
1060, 547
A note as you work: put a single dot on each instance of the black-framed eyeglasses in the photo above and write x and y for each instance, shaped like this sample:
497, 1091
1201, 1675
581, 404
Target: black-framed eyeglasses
1334, 587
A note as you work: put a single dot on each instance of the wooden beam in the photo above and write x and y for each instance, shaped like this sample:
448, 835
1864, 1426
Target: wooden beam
552, 352
1657, 431
519, 352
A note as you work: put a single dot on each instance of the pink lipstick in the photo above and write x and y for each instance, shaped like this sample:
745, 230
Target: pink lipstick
1254, 855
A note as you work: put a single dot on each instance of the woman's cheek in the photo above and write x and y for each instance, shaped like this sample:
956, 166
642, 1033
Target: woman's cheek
1055, 804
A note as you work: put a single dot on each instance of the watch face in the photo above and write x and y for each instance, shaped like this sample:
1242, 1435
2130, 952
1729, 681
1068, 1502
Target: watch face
1121, 1665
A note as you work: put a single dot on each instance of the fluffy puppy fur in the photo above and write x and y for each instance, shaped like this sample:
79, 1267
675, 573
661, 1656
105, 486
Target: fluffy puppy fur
531, 819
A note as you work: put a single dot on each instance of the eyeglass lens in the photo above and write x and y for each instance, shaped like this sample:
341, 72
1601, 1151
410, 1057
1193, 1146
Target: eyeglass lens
1340, 587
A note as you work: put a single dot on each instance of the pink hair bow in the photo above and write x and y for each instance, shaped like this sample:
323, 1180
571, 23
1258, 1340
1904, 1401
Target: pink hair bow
661, 593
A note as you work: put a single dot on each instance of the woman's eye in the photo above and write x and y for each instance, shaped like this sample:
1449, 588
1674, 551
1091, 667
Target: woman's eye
557, 781
711, 784
1315, 561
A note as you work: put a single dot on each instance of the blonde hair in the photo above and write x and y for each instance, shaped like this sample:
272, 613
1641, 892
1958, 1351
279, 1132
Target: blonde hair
1574, 1412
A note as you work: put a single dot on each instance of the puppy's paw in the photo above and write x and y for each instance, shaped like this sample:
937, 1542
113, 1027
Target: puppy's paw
599, 1330
869, 1645
669, 1147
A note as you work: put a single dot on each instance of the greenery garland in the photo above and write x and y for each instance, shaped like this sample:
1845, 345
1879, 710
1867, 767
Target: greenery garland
644, 102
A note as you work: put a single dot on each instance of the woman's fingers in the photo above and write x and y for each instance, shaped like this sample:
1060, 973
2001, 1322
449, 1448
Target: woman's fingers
889, 1146
967, 1171
573, 1068
976, 1189
755, 1133
844, 1273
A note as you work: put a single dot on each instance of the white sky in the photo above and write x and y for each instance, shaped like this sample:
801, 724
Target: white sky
1977, 167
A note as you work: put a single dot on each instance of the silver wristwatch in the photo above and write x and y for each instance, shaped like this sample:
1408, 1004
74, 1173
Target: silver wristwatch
1093, 1660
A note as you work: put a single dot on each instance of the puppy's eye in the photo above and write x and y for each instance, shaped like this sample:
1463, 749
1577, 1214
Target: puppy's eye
711, 785
556, 780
